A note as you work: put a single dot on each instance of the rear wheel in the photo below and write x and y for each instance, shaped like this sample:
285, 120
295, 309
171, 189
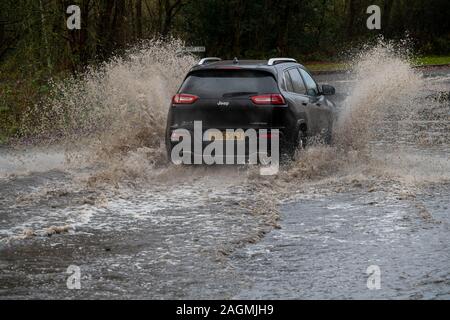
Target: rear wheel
298, 143
301, 139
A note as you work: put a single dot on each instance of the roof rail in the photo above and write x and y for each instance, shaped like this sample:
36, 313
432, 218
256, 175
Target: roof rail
275, 61
210, 59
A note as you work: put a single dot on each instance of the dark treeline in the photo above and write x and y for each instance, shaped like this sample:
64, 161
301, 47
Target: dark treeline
35, 30
35, 43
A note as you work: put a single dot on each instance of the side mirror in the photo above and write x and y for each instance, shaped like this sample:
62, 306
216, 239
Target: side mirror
328, 90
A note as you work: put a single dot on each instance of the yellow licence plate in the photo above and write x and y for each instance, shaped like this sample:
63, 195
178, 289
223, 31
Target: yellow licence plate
228, 136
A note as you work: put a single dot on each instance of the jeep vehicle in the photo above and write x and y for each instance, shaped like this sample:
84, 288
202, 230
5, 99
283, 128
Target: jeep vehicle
275, 94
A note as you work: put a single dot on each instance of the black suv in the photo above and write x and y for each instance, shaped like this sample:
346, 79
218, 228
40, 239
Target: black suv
275, 94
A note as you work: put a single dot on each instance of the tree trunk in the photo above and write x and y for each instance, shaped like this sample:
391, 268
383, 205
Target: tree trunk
169, 12
84, 34
3, 44
139, 19
321, 23
118, 29
2, 36
386, 16
104, 27
282, 38
167, 20
44, 36
351, 18
237, 17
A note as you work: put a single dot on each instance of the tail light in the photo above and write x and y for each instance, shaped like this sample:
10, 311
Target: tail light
182, 98
274, 99
269, 135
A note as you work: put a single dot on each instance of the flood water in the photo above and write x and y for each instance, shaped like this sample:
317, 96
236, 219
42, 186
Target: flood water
225, 233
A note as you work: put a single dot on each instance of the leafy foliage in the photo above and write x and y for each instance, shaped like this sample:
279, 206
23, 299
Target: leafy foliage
35, 44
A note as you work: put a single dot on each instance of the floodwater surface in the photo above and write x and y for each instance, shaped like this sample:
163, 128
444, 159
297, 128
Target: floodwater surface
311, 232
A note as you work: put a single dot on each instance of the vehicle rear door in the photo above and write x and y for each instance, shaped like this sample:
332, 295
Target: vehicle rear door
296, 94
321, 110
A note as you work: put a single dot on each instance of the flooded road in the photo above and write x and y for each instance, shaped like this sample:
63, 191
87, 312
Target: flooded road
326, 244
226, 233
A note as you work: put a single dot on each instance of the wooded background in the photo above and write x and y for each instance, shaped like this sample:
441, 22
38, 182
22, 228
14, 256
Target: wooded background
35, 43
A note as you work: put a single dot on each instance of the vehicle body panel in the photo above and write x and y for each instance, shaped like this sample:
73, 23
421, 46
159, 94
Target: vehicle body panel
216, 108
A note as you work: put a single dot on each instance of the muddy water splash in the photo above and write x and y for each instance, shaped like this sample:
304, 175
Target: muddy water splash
386, 86
113, 118
114, 114
368, 139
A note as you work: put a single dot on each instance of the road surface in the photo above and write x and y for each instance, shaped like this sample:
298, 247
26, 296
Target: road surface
226, 233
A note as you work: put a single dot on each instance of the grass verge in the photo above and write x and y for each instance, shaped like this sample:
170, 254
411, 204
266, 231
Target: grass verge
3, 139
432, 60
340, 66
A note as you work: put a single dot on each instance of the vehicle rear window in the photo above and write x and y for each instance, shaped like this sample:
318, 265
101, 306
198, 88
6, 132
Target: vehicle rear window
229, 83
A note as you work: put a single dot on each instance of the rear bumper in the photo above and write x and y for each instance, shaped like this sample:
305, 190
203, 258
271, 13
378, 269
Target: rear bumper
250, 152
232, 159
